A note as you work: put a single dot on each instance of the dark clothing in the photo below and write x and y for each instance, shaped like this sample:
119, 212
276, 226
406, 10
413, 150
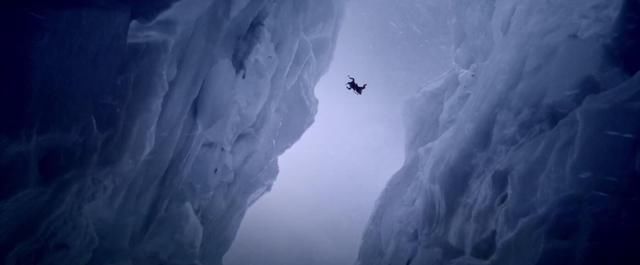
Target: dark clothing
353, 85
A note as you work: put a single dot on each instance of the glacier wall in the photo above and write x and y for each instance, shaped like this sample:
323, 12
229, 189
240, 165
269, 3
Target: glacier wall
527, 151
138, 132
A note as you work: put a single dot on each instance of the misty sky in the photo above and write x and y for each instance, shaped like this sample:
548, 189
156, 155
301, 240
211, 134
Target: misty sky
330, 179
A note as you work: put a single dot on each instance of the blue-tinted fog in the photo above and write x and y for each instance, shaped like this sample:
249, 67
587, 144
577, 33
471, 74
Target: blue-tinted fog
330, 179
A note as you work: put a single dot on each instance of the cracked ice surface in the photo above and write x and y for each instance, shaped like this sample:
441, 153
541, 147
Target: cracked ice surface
526, 152
148, 131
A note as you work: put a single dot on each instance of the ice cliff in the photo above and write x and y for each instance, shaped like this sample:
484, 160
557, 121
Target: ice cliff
138, 132
528, 150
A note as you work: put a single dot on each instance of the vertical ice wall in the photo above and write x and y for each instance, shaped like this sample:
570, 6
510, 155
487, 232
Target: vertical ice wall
527, 152
139, 132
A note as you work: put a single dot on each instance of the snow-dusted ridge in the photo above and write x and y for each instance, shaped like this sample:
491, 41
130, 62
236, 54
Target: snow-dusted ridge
144, 141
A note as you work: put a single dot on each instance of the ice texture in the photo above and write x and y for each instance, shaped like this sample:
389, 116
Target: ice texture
138, 132
527, 151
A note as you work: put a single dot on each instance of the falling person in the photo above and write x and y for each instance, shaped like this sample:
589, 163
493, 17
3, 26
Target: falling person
353, 85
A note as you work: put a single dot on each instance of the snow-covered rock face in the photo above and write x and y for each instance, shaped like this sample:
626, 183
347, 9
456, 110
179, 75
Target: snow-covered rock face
140, 133
528, 151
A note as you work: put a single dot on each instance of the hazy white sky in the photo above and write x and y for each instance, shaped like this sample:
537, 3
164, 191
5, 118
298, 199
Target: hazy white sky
329, 180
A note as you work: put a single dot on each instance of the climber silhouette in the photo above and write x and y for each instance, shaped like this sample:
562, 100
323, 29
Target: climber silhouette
353, 85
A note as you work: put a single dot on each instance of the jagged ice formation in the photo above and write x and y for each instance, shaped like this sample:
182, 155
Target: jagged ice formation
138, 132
527, 151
